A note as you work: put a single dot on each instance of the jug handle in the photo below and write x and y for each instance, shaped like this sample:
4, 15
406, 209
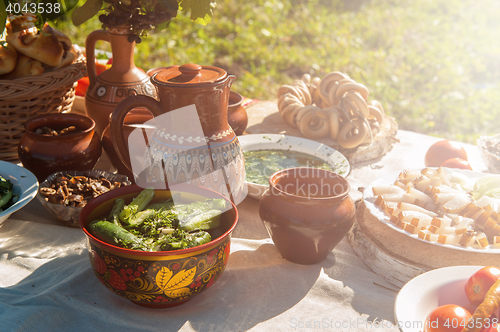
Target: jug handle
90, 42
117, 120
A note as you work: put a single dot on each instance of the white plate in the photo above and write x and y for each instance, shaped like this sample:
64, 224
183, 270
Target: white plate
25, 186
337, 161
383, 217
428, 291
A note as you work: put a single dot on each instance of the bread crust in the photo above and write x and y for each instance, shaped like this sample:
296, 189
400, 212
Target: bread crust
8, 59
43, 47
25, 67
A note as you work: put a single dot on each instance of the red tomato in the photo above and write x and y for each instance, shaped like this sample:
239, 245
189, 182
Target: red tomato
457, 163
442, 151
447, 318
82, 85
110, 61
99, 68
480, 282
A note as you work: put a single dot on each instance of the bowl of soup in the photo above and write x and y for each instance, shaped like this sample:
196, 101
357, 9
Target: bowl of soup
266, 154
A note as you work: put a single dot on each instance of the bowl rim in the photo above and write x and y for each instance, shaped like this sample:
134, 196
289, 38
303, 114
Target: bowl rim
134, 188
70, 117
23, 178
289, 141
99, 172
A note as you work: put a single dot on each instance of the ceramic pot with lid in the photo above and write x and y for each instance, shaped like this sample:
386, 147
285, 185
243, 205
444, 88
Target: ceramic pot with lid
307, 212
192, 142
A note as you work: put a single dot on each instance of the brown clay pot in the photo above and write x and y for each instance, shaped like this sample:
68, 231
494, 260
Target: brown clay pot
120, 81
44, 155
132, 121
236, 113
307, 212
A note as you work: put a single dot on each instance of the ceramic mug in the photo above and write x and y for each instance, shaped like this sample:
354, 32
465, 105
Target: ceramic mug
307, 212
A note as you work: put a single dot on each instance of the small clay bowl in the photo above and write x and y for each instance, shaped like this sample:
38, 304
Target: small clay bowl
76, 150
307, 212
158, 279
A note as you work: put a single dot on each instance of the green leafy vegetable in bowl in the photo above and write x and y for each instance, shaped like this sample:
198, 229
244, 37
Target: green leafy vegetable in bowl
161, 226
7, 197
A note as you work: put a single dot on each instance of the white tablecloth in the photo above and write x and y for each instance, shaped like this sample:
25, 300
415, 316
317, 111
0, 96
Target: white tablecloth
47, 284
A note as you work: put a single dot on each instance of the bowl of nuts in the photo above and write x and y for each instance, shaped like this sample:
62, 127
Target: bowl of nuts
65, 193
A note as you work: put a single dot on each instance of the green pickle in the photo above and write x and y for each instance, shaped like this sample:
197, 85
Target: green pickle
7, 197
142, 225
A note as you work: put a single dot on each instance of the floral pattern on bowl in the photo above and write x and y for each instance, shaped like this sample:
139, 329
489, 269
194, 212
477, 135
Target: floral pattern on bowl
158, 279
161, 283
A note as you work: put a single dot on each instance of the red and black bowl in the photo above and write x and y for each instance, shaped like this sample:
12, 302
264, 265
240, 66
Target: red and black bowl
158, 279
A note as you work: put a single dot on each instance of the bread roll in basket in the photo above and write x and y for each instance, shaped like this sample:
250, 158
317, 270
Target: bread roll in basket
39, 71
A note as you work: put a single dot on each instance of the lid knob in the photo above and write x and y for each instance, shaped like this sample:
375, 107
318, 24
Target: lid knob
190, 69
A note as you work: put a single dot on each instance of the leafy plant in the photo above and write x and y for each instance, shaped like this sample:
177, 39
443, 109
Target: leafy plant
141, 15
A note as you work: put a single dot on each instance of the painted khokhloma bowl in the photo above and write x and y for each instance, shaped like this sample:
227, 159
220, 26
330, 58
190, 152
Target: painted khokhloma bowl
159, 279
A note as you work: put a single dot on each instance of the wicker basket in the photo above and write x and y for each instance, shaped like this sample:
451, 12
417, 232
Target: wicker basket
22, 98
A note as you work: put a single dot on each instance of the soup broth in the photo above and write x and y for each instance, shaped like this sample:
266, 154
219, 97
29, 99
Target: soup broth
261, 164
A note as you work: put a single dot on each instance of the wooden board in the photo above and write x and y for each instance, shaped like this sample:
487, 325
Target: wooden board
399, 258
264, 118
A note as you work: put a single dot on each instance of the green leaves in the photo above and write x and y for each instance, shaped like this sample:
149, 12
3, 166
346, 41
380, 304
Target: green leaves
170, 6
86, 11
3, 17
201, 10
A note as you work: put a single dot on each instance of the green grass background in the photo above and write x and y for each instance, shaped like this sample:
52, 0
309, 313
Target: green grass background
434, 64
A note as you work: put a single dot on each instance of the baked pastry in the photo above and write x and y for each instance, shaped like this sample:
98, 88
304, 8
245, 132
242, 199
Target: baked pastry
44, 47
25, 67
22, 22
69, 53
8, 59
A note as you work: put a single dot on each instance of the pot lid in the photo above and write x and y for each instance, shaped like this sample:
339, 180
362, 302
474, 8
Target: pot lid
188, 74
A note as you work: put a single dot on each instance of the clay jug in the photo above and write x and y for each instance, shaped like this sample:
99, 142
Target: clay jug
123, 79
192, 142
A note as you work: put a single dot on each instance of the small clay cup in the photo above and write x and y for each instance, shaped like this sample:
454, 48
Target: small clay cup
307, 212
236, 113
75, 151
